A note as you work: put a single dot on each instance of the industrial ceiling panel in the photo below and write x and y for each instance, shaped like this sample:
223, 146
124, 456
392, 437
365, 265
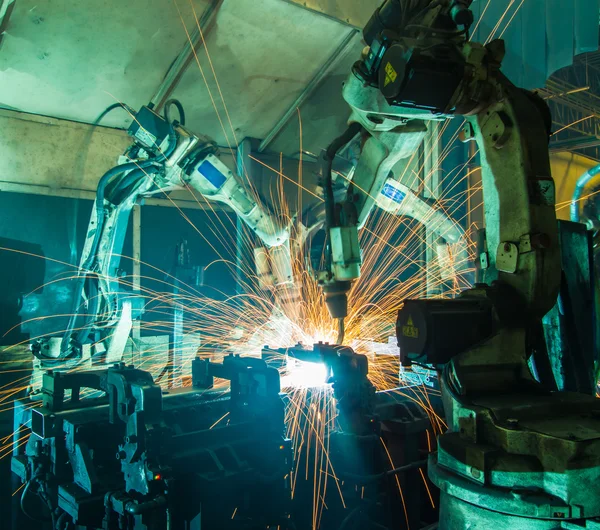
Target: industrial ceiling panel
71, 59
263, 54
353, 12
324, 114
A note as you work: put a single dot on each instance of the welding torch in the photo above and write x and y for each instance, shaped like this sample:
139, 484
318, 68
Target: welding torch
343, 256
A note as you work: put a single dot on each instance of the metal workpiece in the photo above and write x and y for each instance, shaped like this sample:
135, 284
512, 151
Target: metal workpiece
368, 430
135, 457
347, 372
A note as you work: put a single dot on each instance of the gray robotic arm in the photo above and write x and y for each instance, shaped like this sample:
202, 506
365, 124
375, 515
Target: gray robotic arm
419, 66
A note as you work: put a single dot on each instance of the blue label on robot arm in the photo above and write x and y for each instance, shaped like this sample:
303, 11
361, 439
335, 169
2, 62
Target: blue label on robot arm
393, 193
212, 174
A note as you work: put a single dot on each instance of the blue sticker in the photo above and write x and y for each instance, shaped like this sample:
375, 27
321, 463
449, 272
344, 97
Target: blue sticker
212, 174
393, 193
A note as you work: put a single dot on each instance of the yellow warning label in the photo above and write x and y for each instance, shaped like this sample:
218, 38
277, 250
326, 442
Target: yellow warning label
390, 74
409, 330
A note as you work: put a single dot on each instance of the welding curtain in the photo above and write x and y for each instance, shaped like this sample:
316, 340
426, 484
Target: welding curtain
541, 36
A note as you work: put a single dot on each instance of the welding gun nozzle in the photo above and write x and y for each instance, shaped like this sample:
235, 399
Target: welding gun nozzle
336, 298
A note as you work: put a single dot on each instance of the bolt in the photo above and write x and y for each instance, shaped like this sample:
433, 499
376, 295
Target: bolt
475, 473
121, 455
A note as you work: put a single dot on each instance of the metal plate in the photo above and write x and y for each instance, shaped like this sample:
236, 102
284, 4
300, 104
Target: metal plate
507, 257
262, 55
324, 114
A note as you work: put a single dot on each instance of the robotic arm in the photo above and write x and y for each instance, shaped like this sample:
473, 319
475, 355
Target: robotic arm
419, 66
165, 156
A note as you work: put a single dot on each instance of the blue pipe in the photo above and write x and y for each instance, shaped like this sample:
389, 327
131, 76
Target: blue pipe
583, 181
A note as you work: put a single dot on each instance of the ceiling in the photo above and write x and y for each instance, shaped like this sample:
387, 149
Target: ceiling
253, 61
62, 60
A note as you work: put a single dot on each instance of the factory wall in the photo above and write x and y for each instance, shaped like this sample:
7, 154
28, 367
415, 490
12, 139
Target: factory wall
57, 226
53, 228
59, 155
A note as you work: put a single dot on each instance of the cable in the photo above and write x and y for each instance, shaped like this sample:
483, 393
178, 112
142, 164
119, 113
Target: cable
22, 503
102, 184
130, 179
121, 190
110, 108
327, 164
63, 522
428, 29
100, 192
87, 140
176, 103
345, 525
366, 479
163, 157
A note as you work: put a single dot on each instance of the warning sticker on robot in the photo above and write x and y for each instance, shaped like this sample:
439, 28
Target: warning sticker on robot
409, 330
390, 74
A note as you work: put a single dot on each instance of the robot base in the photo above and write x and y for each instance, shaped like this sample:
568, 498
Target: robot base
465, 505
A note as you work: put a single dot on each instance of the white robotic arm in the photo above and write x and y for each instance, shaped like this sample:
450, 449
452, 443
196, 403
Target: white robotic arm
164, 157
217, 182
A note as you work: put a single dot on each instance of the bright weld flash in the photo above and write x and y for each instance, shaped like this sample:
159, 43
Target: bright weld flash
302, 374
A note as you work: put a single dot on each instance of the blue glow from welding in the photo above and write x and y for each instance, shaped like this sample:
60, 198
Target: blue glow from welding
301, 374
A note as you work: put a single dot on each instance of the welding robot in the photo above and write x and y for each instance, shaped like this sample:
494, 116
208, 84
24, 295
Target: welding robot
164, 156
516, 453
